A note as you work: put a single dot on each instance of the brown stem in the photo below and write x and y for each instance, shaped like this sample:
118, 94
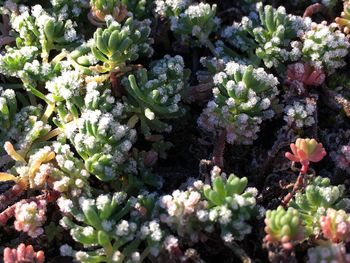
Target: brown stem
299, 183
219, 148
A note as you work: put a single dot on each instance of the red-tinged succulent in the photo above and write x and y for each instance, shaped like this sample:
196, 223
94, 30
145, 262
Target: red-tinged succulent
335, 225
284, 227
305, 151
23, 254
305, 74
344, 20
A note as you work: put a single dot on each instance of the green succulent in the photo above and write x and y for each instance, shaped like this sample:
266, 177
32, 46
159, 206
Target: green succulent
270, 37
243, 97
225, 203
141, 9
156, 94
197, 21
318, 196
103, 223
13, 61
97, 133
121, 43
284, 226
325, 47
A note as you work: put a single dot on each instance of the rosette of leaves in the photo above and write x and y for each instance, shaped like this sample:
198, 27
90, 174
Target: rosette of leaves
22, 127
226, 203
231, 194
284, 226
344, 20
98, 135
271, 35
52, 166
115, 8
69, 8
12, 62
121, 43
318, 196
243, 98
197, 21
141, 9
168, 8
328, 253
66, 91
155, 95
104, 223
44, 31
325, 47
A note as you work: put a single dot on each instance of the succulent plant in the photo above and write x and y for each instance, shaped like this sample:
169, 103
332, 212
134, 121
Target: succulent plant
325, 47
44, 31
303, 74
101, 140
272, 36
197, 21
328, 253
103, 223
121, 43
243, 98
141, 9
30, 217
299, 114
23, 253
101, 8
335, 225
13, 61
156, 94
344, 20
169, 8
69, 8
194, 213
284, 227
313, 203
306, 151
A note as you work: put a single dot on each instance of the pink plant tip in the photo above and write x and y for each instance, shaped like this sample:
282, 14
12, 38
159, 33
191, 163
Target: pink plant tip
23, 253
306, 74
305, 151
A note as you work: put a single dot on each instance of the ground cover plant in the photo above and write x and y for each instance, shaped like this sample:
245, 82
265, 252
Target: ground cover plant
174, 131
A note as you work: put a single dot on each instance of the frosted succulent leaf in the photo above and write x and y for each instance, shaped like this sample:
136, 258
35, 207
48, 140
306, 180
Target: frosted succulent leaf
243, 97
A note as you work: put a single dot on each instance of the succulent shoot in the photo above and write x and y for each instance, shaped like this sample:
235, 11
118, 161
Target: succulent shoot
284, 227
121, 43
243, 98
305, 151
